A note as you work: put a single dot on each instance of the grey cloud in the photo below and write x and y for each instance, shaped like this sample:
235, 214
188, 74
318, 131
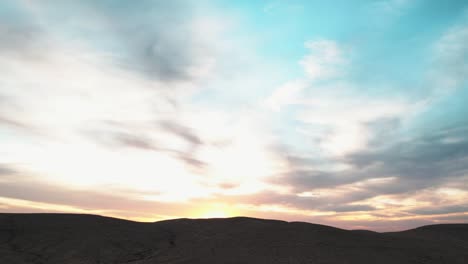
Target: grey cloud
434, 210
191, 161
451, 58
423, 162
349, 208
21, 37
383, 130
436, 158
419, 151
155, 36
320, 203
8, 109
181, 131
13, 123
301, 172
304, 180
5, 170
151, 37
295, 160
32, 189
134, 141
15, 38
300, 161
428, 161
194, 142
462, 218
118, 135
429, 157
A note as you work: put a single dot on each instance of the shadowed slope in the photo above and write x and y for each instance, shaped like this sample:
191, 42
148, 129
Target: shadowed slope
63, 238
49, 238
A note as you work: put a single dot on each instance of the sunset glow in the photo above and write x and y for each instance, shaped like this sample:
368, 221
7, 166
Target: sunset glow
352, 115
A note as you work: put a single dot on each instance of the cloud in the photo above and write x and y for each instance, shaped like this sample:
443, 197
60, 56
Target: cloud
30, 192
460, 218
392, 6
350, 208
385, 12
288, 94
24, 193
333, 106
5, 170
14, 123
100, 122
431, 154
162, 46
345, 116
135, 141
324, 61
450, 60
116, 135
91, 100
21, 37
396, 168
374, 156
181, 131
460, 208
307, 180
124, 98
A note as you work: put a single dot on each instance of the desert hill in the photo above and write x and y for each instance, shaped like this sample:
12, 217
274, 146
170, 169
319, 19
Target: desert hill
74, 238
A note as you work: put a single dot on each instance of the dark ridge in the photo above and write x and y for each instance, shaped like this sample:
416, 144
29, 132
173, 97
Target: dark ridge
364, 231
76, 238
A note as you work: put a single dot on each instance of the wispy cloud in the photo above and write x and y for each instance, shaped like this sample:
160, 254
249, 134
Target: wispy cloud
384, 12
324, 61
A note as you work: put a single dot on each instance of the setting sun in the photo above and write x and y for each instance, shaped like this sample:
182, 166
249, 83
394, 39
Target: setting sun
350, 114
215, 211
334, 112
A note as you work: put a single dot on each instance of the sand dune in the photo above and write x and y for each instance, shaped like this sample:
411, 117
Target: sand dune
73, 238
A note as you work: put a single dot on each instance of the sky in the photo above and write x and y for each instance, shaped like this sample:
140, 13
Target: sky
346, 113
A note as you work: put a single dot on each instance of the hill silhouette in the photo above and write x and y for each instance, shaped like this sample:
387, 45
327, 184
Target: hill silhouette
75, 238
